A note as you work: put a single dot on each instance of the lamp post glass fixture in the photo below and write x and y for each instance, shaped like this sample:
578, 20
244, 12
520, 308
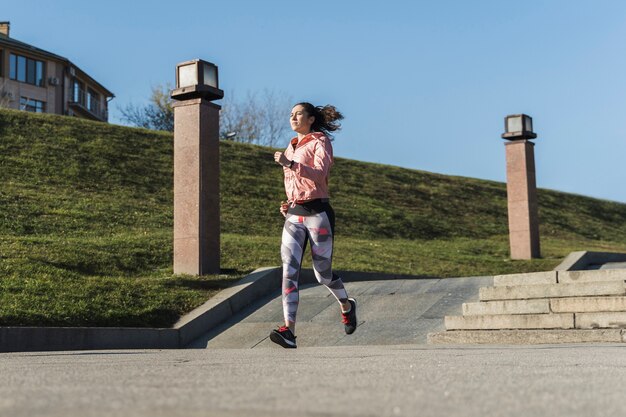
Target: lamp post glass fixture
518, 126
197, 78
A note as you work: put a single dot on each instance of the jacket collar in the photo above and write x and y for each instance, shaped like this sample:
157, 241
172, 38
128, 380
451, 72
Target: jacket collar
308, 138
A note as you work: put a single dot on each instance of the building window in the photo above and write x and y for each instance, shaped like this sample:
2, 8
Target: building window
39, 73
93, 101
78, 92
31, 105
13, 67
27, 70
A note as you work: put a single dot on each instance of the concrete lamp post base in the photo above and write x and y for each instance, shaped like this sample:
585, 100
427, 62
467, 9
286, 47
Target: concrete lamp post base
196, 187
522, 200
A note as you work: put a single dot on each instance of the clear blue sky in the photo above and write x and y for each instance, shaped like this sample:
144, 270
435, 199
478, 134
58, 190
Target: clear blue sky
423, 84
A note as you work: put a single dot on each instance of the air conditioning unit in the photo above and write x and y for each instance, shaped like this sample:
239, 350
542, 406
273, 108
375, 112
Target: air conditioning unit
8, 94
53, 81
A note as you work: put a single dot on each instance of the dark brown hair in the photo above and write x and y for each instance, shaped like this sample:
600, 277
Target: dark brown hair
325, 118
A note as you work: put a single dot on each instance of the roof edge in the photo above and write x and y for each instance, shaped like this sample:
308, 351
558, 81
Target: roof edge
23, 46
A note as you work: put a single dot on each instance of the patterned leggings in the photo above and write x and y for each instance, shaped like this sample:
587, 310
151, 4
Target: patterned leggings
318, 229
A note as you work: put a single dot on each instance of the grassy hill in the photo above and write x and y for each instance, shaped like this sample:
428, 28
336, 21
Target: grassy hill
86, 223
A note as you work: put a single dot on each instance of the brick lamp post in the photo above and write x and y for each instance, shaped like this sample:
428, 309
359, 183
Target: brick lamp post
521, 187
196, 169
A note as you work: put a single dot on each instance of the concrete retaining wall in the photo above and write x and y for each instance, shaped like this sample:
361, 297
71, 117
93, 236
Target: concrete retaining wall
577, 261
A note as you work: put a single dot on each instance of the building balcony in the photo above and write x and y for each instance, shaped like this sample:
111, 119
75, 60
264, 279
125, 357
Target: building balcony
93, 113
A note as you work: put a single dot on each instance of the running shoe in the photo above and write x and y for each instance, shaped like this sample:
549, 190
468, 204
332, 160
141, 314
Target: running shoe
284, 337
349, 318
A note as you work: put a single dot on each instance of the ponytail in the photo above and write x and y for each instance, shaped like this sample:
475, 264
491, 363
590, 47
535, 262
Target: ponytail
326, 118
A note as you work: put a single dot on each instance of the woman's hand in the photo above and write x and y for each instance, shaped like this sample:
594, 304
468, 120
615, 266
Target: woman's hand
284, 206
281, 159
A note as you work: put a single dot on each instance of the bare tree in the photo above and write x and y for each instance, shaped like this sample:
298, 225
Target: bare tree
158, 114
276, 109
261, 119
241, 121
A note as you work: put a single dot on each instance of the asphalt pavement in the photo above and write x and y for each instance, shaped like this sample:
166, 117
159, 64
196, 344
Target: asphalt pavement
406, 380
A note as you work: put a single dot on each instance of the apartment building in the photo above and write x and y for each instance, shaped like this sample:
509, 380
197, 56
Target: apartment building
35, 80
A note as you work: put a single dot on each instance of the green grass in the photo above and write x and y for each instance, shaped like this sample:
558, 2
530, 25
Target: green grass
86, 223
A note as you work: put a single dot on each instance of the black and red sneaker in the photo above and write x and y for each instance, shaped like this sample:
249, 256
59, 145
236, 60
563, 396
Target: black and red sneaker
349, 318
284, 337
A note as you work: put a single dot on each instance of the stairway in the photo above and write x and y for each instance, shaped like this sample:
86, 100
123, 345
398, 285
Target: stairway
543, 307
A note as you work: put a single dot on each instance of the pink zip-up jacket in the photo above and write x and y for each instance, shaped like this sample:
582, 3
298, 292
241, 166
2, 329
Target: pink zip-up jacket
312, 158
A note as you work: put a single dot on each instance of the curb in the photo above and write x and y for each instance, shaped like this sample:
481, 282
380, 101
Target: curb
39, 339
227, 303
218, 309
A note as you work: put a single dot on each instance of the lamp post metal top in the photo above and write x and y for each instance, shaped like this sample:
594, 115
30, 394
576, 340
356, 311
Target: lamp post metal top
518, 127
197, 78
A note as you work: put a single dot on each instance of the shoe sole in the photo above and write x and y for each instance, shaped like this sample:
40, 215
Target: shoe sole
279, 340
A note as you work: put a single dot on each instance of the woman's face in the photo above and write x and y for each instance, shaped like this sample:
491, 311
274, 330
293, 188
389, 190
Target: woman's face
300, 120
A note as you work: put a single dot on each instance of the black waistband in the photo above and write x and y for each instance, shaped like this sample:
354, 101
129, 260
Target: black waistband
308, 208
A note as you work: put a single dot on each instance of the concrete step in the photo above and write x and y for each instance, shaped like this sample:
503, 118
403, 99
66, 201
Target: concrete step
560, 277
590, 320
612, 320
588, 304
510, 321
532, 278
545, 306
527, 337
507, 307
579, 289
566, 277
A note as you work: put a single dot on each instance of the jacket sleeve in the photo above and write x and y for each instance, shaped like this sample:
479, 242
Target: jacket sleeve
322, 161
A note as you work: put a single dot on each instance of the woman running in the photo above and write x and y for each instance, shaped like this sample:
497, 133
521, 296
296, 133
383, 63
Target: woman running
308, 215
